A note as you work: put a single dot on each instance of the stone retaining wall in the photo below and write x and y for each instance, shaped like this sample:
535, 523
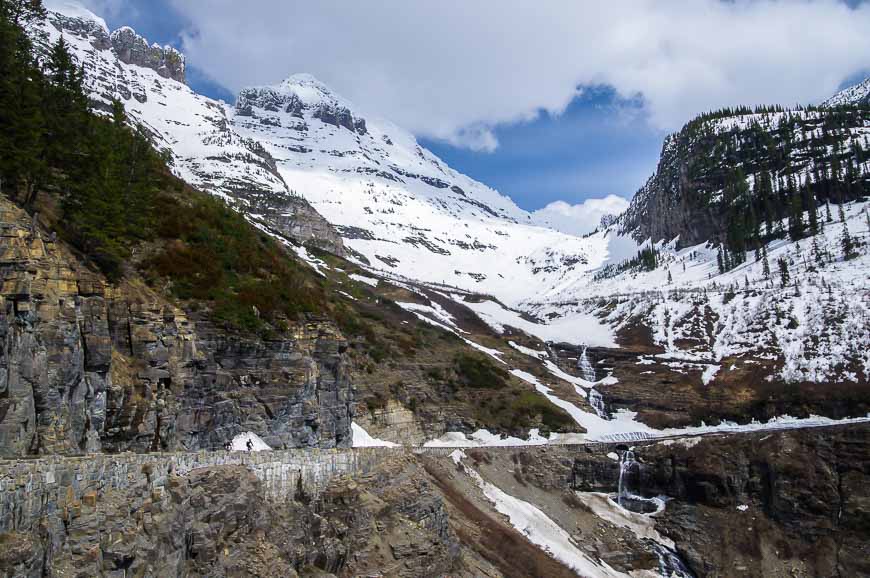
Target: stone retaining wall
33, 489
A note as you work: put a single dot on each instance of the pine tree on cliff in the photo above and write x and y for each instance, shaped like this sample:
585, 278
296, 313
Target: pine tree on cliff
812, 208
765, 267
796, 226
818, 257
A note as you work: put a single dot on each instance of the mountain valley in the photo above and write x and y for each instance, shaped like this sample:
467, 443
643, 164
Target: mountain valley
434, 382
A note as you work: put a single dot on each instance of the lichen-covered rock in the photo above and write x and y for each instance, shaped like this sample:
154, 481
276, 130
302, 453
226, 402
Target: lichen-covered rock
88, 367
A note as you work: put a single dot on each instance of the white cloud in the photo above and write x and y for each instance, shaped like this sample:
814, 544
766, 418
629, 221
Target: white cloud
582, 218
111, 8
453, 69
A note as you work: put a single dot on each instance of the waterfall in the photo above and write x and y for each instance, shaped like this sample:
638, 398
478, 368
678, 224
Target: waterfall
625, 464
597, 403
670, 564
587, 371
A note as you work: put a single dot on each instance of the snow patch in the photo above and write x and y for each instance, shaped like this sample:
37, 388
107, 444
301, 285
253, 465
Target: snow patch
240, 443
362, 439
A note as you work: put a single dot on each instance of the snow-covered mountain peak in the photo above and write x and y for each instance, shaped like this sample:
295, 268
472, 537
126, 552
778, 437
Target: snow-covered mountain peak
74, 21
310, 90
398, 207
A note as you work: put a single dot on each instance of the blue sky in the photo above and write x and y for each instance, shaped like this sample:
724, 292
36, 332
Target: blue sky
509, 71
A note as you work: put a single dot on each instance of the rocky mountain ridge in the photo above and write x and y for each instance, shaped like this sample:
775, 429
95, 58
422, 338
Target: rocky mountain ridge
397, 206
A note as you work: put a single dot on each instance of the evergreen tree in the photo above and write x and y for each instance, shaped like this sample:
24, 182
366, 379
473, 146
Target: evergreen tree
765, 267
818, 258
65, 107
784, 276
22, 165
796, 227
847, 244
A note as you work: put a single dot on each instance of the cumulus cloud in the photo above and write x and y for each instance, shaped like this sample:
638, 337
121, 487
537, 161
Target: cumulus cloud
582, 218
453, 69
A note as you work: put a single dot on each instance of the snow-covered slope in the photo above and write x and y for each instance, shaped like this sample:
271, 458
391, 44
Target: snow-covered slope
813, 328
398, 205
400, 209
856, 94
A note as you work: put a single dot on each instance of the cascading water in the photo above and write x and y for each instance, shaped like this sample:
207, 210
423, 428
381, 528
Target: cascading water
587, 371
670, 564
597, 403
626, 462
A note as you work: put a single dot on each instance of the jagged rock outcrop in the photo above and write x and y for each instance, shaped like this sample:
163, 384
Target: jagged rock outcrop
134, 49
87, 367
130, 47
294, 218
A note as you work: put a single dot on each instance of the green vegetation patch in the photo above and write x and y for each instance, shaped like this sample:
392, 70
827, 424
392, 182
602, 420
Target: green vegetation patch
478, 372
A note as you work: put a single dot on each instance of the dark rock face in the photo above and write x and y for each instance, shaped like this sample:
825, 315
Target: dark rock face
87, 367
664, 209
804, 496
690, 196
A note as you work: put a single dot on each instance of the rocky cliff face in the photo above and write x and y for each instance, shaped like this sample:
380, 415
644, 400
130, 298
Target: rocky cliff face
220, 520
692, 195
90, 367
